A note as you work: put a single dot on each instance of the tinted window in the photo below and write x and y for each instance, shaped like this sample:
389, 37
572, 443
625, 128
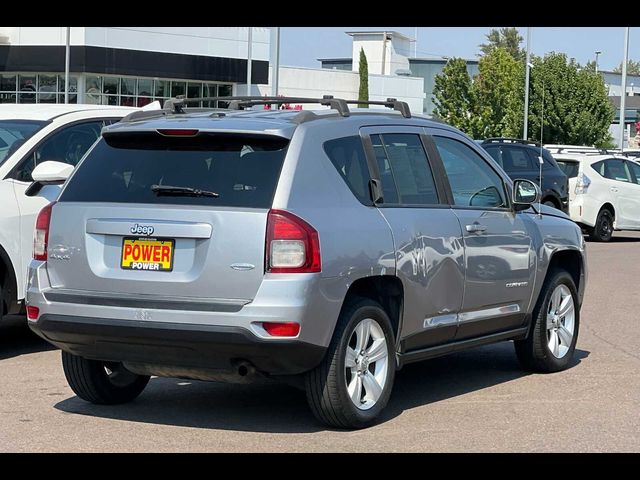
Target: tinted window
404, 169
635, 169
347, 155
599, 167
569, 168
516, 160
495, 153
14, 133
243, 170
534, 155
67, 145
473, 182
616, 170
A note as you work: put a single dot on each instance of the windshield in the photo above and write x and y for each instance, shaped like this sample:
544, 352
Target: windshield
14, 133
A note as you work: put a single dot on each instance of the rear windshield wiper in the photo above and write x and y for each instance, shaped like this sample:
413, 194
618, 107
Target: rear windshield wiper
182, 191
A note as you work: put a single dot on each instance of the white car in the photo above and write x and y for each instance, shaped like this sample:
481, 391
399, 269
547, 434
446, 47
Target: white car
604, 193
42, 142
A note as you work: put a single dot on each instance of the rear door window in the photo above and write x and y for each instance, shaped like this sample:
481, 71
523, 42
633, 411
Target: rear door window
616, 169
405, 172
241, 170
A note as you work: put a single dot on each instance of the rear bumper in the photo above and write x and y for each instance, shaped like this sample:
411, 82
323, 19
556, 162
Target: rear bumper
175, 344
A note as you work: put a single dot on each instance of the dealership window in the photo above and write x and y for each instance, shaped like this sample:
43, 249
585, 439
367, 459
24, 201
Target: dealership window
104, 90
35, 88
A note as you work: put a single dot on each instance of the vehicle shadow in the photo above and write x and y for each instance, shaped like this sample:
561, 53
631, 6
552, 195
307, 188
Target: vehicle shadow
278, 408
619, 237
16, 338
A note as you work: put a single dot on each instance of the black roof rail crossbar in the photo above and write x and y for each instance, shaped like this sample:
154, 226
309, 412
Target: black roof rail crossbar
511, 140
176, 105
402, 107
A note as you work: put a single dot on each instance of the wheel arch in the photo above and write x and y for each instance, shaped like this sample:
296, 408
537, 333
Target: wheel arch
572, 261
387, 290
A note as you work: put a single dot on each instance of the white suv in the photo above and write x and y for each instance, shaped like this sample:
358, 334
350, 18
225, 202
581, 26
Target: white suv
604, 193
40, 141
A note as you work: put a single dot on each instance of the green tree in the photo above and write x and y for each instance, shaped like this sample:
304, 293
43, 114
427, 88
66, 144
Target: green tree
633, 68
495, 93
452, 94
363, 70
577, 110
507, 38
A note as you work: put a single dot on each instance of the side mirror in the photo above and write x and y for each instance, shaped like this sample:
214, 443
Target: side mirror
525, 194
48, 173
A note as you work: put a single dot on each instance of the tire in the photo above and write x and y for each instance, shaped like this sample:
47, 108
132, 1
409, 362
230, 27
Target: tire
536, 352
90, 380
1, 303
602, 231
326, 385
550, 203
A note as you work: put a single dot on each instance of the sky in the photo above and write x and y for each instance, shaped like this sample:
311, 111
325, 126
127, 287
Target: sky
302, 46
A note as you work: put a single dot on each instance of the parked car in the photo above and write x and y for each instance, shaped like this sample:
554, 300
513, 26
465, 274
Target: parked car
521, 159
323, 248
605, 193
37, 142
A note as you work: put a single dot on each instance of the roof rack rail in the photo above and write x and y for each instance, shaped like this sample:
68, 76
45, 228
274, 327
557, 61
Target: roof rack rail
511, 140
176, 105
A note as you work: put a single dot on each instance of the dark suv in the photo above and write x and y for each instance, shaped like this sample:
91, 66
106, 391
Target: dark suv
521, 159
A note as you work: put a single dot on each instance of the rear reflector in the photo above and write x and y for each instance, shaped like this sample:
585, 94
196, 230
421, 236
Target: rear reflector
288, 329
178, 132
33, 312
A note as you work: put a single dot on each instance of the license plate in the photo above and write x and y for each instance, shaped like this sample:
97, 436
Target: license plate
147, 254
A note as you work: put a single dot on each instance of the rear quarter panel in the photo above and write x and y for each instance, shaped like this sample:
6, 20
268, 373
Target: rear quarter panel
355, 240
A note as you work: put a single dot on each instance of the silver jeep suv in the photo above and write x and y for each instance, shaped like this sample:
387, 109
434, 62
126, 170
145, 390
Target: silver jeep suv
323, 248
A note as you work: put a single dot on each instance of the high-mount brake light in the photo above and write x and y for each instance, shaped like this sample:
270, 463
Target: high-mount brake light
178, 132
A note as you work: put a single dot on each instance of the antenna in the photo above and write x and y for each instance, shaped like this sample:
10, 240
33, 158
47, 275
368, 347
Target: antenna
540, 161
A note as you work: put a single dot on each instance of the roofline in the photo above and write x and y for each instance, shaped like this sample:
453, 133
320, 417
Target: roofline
393, 33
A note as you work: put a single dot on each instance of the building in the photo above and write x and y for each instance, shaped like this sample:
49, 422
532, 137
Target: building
128, 65
613, 83
389, 53
134, 66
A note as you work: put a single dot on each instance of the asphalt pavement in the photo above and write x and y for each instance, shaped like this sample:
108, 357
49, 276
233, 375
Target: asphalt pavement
479, 400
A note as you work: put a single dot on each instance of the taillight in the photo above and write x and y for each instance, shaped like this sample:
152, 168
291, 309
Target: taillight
33, 312
41, 234
284, 329
293, 246
582, 183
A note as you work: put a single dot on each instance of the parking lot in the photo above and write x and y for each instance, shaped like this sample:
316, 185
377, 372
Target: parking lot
479, 400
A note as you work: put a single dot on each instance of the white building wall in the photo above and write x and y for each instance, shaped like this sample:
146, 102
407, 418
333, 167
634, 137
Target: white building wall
311, 82
372, 45
230, 42
396, 55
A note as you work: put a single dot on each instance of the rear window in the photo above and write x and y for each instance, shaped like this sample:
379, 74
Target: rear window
569, 168
243, 170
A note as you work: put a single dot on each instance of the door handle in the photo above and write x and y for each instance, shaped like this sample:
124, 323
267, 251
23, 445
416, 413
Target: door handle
476, 228
613, 189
